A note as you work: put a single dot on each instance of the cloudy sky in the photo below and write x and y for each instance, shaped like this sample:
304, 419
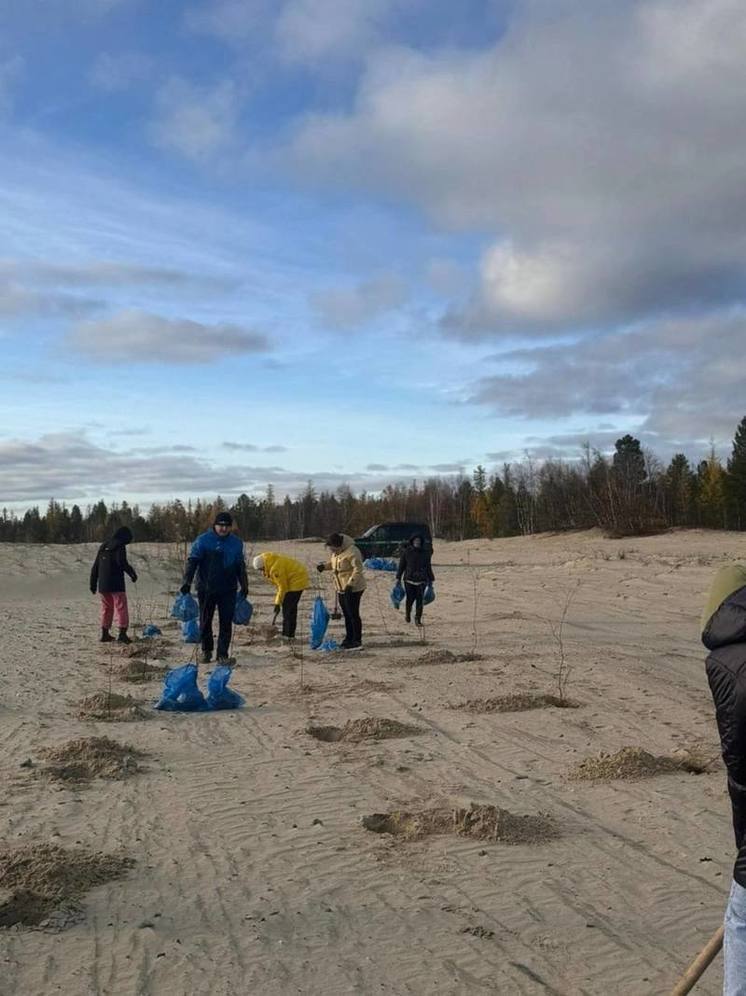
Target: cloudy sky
254, 241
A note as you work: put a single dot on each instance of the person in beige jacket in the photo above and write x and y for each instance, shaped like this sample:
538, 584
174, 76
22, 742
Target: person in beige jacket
346, 563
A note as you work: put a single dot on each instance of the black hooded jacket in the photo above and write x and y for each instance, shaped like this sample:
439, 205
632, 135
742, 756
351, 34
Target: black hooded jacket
111, 564
725, 638
414, 564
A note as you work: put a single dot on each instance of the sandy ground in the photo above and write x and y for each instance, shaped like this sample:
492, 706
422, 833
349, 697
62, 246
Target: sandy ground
253, 872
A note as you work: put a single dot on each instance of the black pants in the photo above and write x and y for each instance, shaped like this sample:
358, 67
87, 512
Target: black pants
290, 612
225, 603
414, 597
349, 603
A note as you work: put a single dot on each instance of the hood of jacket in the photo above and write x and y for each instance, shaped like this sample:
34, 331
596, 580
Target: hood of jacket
724, 615
121, 537
347, 541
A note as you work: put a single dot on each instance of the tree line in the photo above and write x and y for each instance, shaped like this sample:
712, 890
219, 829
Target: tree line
627, 493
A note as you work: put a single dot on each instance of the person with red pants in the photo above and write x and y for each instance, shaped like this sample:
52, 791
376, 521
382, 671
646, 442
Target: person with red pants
107, 577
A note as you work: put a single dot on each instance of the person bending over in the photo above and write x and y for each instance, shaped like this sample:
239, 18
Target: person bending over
290, 577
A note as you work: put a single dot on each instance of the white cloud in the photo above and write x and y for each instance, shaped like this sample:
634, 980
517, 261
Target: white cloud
116, 72
311, 31
601, 143
137, 337
69, 466
679, 381
197, 122
345, 308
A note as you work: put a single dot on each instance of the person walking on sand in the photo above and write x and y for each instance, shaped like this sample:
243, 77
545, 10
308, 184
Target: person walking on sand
346, 564
724, 635
416, 570
107, 577
290, 577
216, 557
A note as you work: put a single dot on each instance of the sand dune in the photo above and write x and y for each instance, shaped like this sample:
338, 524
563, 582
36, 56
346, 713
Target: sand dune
253, 872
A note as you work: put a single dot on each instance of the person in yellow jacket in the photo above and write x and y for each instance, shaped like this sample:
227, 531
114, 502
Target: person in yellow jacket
346, 564
290, 578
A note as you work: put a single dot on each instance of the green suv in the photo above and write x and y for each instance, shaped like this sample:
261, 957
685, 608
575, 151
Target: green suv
389, 538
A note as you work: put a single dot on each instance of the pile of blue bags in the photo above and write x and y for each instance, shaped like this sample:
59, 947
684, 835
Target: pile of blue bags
181, 692
380, 564
150, 631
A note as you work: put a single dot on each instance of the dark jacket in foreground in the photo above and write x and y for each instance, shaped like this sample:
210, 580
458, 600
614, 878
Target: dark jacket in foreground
218, 562
725, 637
110, 565
414, 565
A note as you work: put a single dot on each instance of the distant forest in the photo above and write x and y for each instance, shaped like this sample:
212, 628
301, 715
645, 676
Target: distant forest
626, 494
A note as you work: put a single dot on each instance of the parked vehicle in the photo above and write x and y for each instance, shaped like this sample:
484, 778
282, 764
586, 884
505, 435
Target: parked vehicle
388, 538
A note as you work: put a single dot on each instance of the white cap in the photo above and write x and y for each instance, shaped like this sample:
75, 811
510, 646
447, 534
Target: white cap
258, 563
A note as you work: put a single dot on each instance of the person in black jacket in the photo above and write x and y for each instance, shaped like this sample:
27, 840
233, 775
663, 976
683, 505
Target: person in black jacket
417, 572
107, 576
216, 557
724, 635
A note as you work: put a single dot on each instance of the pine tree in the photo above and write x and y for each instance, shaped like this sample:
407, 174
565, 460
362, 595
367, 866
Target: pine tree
735, 482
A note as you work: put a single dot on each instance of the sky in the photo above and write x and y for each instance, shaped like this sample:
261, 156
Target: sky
252, 242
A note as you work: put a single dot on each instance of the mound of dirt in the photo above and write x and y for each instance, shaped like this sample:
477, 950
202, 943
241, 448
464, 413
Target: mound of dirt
634, 762
518, 702
91, 757
137, 671
481, 822
431, 657
40, 878
356, 730
110, 707
262, 631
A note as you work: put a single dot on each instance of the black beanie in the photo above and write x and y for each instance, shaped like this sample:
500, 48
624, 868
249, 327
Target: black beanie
223, 519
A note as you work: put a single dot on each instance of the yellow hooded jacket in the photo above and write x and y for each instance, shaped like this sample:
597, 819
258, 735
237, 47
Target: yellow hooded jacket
285, 574
347, 566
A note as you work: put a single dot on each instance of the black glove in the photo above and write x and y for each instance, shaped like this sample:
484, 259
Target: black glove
185, 589
93, 589
244, 593
320, 567
276, 613
133, 575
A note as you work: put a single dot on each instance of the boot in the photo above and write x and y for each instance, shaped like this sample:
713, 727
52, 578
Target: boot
123, 638
106, 636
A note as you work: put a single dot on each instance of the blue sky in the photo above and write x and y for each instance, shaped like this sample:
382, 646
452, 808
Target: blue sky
261, 241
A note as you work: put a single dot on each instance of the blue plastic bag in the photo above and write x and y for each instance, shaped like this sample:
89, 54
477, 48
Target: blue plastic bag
185, 608
380, 564
190, 631
319, 622
243, 611
398, 594
180, 692
150, 631
219, 696
428, 595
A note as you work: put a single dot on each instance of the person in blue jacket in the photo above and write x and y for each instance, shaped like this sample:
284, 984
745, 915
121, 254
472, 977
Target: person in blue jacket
216, 557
